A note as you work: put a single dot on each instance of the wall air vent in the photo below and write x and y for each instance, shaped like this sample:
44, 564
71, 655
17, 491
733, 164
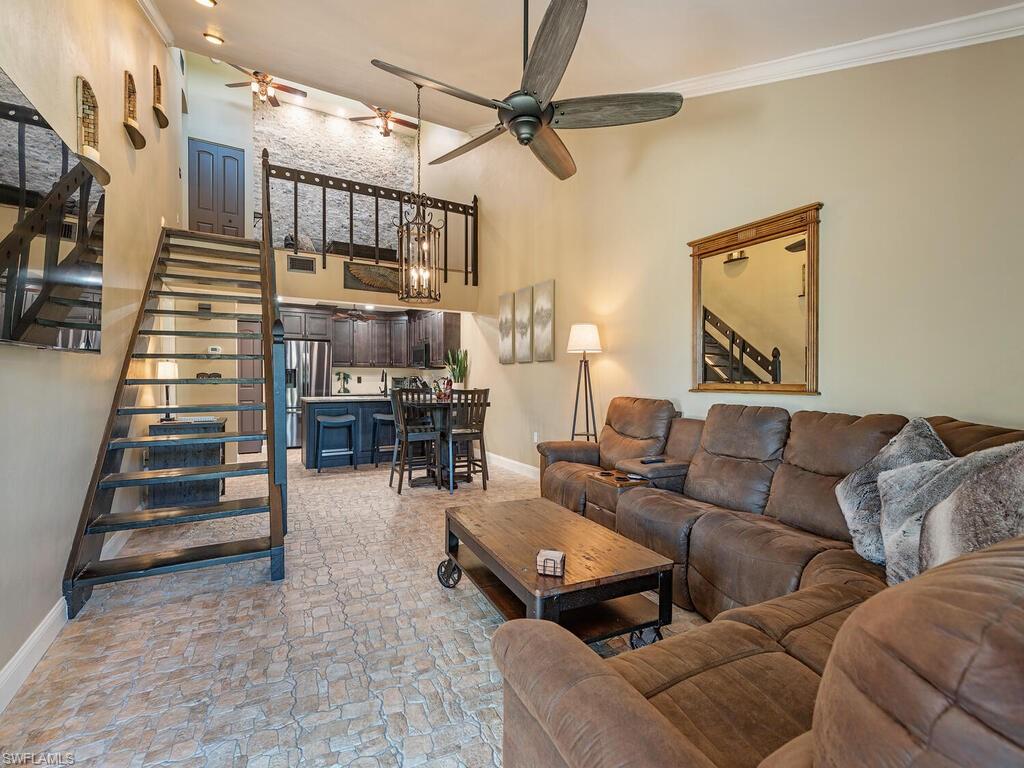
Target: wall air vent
301, 264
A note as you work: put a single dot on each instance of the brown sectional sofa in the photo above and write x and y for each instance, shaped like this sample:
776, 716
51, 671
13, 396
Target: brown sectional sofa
928, 673
795, 662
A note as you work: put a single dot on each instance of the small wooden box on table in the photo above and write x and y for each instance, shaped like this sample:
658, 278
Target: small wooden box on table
599, 595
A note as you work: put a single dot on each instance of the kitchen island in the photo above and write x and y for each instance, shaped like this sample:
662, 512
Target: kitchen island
362, 407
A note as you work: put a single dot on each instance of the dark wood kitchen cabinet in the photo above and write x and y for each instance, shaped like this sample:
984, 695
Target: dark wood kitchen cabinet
294, 322
306, 324
400, 342
380, 341
318, 326
341, 342
444, 332
362, 345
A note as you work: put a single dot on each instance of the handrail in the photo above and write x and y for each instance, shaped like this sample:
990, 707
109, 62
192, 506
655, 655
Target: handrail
272, 330
772, 366
469, 211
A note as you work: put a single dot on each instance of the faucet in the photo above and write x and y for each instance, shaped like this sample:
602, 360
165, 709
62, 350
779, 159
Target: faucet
384, 381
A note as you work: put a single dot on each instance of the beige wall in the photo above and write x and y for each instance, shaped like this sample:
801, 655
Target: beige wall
918, 163
54, 404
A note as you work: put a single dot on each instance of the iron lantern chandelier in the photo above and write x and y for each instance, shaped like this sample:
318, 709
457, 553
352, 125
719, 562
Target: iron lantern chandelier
419, 243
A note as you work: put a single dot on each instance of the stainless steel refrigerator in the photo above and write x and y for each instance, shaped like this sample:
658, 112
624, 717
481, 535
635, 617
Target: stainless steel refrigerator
307, 373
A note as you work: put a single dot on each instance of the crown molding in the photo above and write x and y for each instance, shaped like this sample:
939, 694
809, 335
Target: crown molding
157, 20
978, 28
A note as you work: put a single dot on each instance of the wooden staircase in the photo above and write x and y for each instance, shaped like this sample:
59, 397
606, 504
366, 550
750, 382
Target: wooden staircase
198, 267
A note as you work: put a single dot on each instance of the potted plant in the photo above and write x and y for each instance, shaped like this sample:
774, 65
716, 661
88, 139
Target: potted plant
457, 364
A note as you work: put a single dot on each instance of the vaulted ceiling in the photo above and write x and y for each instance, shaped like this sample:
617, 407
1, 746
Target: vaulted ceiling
477, 44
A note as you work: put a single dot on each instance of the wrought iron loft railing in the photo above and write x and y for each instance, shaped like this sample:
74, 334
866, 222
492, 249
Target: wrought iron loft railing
359, 190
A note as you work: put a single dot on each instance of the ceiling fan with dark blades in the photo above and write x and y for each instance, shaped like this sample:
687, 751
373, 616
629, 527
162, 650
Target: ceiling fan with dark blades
385, 119
529, 113
265, 86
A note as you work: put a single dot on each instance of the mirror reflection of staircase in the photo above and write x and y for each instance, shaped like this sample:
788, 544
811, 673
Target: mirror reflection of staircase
735, 361
207, 269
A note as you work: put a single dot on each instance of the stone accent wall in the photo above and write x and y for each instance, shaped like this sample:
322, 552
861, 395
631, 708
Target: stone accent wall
42, 147
308, 140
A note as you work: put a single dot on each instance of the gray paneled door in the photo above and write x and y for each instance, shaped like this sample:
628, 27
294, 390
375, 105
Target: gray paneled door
216, 188
250, 421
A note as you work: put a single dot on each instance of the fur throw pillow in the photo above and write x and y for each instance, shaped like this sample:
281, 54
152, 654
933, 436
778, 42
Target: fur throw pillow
984, 510
910, 492
858, 494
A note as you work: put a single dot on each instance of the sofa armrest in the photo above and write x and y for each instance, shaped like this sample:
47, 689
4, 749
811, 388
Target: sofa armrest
668, 468
570, 450
593, 717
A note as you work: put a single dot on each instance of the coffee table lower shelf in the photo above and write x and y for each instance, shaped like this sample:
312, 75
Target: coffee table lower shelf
591, 624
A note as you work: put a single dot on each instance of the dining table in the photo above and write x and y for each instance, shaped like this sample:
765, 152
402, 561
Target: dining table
442, 414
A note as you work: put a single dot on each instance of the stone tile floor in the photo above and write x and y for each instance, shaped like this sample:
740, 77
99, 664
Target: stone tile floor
358, 658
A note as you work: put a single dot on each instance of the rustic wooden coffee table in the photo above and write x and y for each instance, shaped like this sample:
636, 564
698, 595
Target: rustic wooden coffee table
599, 596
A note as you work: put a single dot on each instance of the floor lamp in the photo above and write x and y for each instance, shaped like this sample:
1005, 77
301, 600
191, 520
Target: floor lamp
584, 338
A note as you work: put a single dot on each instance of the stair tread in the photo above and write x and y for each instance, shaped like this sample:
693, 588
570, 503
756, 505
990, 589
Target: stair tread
186, 439
226, 297
73, 325
193, 356
148, 518
242, 269
211, 237
186, 558
174, 474
207, 381
247, 254
210, 280
195, 408
65, 301
201, 315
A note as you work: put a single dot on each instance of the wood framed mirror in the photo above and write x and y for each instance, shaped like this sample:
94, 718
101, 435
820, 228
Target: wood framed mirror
755, 306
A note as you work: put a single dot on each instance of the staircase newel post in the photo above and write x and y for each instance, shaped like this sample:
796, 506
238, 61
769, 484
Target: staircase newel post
776, 366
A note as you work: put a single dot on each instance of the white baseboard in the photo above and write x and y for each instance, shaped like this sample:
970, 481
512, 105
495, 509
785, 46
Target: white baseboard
17, 670
516, 466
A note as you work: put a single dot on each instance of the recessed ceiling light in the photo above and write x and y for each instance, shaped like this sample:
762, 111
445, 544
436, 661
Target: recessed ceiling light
215, 61
371, 306
207, 3
212, 38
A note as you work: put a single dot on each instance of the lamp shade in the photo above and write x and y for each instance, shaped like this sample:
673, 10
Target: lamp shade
583, 337
166, 369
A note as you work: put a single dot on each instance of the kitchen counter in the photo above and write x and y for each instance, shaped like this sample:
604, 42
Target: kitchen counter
362, 407
346, 398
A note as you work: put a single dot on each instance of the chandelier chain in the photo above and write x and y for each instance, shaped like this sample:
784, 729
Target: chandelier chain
419, 127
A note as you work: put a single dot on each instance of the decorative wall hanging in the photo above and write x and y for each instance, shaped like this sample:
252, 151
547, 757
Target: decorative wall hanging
131, 112
370, 277
524, 325
89, 130
158, 99
544, 321
506, 327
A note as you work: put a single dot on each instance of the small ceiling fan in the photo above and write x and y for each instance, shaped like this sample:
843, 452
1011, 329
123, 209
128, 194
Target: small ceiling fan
385, 119
264, 86
530, 114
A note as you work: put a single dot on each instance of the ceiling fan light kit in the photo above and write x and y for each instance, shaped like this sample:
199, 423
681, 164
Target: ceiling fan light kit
264, 86
529, 113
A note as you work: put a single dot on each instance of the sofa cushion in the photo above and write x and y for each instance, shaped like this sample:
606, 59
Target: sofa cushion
728, 688
634, 426
740, 447
842, 566
684, 438
823, 448
662, 520
857, 493
738, 559
805, 622
565, 483
928, 673
798, 753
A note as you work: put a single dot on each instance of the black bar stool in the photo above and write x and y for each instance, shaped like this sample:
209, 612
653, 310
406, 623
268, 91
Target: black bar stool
381, 420
327, 423
468, 411
414, 425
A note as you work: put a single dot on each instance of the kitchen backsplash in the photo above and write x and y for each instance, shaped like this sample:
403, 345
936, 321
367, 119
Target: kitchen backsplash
371, 378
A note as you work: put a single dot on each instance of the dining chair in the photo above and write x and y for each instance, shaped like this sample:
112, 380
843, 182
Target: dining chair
468, 411
414, 425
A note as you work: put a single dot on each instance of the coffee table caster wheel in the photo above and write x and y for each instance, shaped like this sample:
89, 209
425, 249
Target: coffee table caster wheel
449, 573
644, 637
